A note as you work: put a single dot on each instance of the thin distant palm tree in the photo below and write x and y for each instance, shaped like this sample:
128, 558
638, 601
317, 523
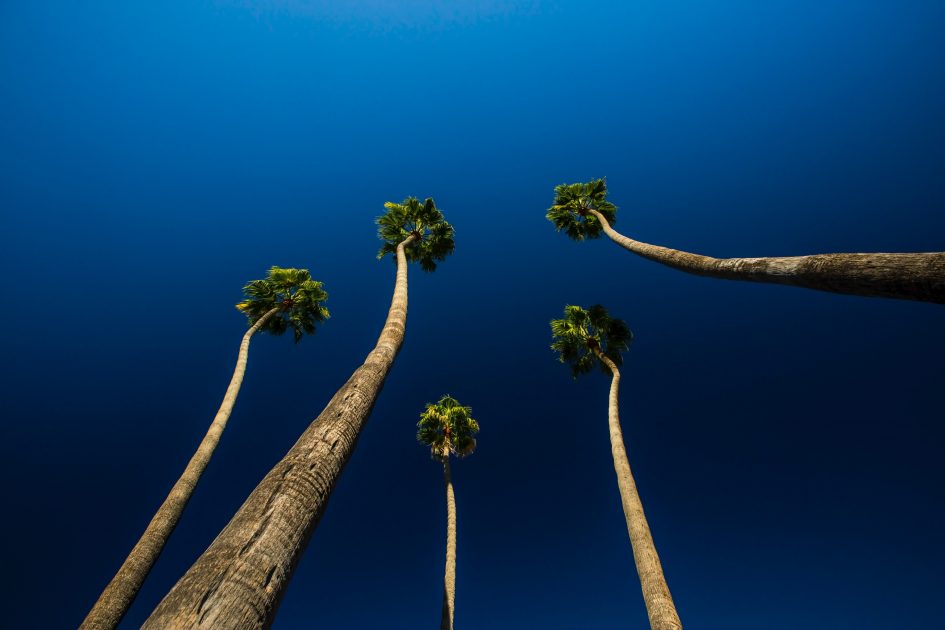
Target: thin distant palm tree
448, 428
239, 580
286, 298
583, 339
582, 212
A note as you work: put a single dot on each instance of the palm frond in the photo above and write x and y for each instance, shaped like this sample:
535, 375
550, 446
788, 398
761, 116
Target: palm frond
434, 236
570, 211
576, 336
447, 427
297, 297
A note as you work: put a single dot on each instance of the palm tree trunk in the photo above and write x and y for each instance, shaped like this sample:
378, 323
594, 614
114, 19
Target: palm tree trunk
117, 597
659, 603
239, 580
919, 276
449, 579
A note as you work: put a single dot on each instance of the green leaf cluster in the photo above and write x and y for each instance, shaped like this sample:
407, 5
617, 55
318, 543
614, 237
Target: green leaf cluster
447, 427
294, 293
570, 210
434, 236
580, 332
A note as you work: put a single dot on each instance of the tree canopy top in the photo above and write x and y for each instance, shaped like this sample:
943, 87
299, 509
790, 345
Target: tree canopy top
581, 332
297, 297
570, 212
434, 236
447, 427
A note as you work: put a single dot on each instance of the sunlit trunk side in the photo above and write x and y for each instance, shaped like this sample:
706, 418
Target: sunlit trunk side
449, 578
659, 603
919, 276
117, 597
239, 580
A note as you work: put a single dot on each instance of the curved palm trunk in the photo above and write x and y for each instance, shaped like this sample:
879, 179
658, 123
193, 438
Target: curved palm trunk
449, 578
117, 597
659, 602
239, 580
918, 276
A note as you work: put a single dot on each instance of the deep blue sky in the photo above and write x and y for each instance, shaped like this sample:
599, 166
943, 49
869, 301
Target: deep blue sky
788, 444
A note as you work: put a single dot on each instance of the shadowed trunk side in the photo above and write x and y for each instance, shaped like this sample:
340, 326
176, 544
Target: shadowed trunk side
117, 597
449, 578
659, 603
919, 276
238, 582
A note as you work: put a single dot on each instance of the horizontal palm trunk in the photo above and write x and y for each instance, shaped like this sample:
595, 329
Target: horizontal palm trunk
659, 602
449, 577
239, 580
919, 276
117, 597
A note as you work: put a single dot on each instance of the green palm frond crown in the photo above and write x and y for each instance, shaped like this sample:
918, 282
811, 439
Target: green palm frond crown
447, 427
434, 240
570, 210
581, 333
294, 293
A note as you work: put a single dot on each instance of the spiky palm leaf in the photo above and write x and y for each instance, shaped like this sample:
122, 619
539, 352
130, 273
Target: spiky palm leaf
434, 234
448, 427
297, 296
581, 331
570, 210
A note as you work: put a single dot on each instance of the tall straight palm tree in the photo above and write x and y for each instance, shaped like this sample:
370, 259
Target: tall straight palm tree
239, 580
583, 212
448, 428
286, 298
583, 338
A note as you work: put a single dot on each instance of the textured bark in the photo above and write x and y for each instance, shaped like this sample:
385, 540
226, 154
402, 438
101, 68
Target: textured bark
659, 603
919, 276
117, 597
449, 578
239, 580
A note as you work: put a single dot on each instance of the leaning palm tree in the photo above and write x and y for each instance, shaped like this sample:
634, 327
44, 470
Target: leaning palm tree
583, 338
448, 428
238, 581
583, 212
286, 298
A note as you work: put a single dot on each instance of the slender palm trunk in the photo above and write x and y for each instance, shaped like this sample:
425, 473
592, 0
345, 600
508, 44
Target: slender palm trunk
919, 276
239, 580
659, 602
449, 579
117, 597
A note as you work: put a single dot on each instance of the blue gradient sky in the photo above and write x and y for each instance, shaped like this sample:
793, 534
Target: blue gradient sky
788, 444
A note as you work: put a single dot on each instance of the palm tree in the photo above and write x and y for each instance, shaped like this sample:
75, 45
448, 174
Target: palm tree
239, 580
286, 298
582, 212
448, 427
582, 339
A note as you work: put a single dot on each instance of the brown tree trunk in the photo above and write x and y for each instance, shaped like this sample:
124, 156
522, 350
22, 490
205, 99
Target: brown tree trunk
659, 603
449, 578
238, 582
919, 276
117, 597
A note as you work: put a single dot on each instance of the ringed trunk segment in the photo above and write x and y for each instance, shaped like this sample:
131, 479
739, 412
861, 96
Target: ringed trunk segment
659, 602
119, 594
239, 581
909, 276
449, 578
